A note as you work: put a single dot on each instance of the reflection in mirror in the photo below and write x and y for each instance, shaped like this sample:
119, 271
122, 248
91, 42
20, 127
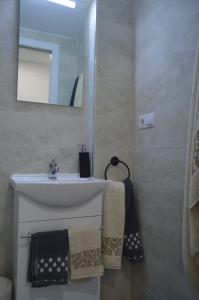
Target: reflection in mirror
34, 66
51, 51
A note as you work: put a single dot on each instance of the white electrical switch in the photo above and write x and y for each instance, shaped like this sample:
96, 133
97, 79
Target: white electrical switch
147, 121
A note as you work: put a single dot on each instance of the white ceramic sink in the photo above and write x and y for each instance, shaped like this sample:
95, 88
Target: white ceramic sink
67, 190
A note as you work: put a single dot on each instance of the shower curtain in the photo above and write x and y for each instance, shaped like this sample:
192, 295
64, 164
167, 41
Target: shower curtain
191, 192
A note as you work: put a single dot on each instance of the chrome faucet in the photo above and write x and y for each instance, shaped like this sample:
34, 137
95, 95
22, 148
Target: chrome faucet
53, 169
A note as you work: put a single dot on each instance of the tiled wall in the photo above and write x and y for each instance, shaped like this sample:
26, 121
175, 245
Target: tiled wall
166, 33
114, 89
30, 134
114, 111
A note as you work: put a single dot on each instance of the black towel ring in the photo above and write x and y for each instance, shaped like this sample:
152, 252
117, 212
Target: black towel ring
114, 162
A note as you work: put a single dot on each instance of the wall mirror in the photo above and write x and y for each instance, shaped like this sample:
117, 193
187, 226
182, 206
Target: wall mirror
51, 51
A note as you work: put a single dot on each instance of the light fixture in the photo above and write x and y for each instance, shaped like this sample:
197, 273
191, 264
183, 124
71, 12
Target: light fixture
67, 3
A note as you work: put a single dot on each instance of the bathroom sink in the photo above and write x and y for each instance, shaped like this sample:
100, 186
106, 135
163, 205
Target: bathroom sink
67, 190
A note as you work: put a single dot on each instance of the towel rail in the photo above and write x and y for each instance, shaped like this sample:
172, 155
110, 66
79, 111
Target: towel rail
28, 236
114, 162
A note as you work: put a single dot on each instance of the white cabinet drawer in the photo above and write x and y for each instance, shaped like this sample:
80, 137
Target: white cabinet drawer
31, 211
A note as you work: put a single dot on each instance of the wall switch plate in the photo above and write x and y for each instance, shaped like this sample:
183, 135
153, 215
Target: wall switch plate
147, 121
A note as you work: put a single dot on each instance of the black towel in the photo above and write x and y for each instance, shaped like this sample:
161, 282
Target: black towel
72, 100
132, 247
48, 261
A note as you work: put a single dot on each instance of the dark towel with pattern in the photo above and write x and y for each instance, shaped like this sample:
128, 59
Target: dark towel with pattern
48, 261
132, 247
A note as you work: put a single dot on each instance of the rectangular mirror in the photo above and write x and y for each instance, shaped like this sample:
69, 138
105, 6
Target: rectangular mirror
51, 51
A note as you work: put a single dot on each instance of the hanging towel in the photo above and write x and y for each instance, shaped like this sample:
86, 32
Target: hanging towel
85, 252
48, 261
113, 224
132, 247
77, 93
72, 100
78, 101
194, 212
191, 191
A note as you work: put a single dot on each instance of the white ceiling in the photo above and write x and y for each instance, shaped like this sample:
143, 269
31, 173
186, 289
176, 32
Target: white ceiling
53, 18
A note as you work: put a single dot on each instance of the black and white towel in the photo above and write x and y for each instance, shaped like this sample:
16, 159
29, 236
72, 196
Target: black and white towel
48, 261
132, 247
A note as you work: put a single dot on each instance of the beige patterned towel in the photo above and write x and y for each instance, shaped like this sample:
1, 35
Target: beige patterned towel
194, 216
113, 225
85, 252
191, 191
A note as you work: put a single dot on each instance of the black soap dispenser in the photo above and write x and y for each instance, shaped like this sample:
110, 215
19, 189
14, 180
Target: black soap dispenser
84, 162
